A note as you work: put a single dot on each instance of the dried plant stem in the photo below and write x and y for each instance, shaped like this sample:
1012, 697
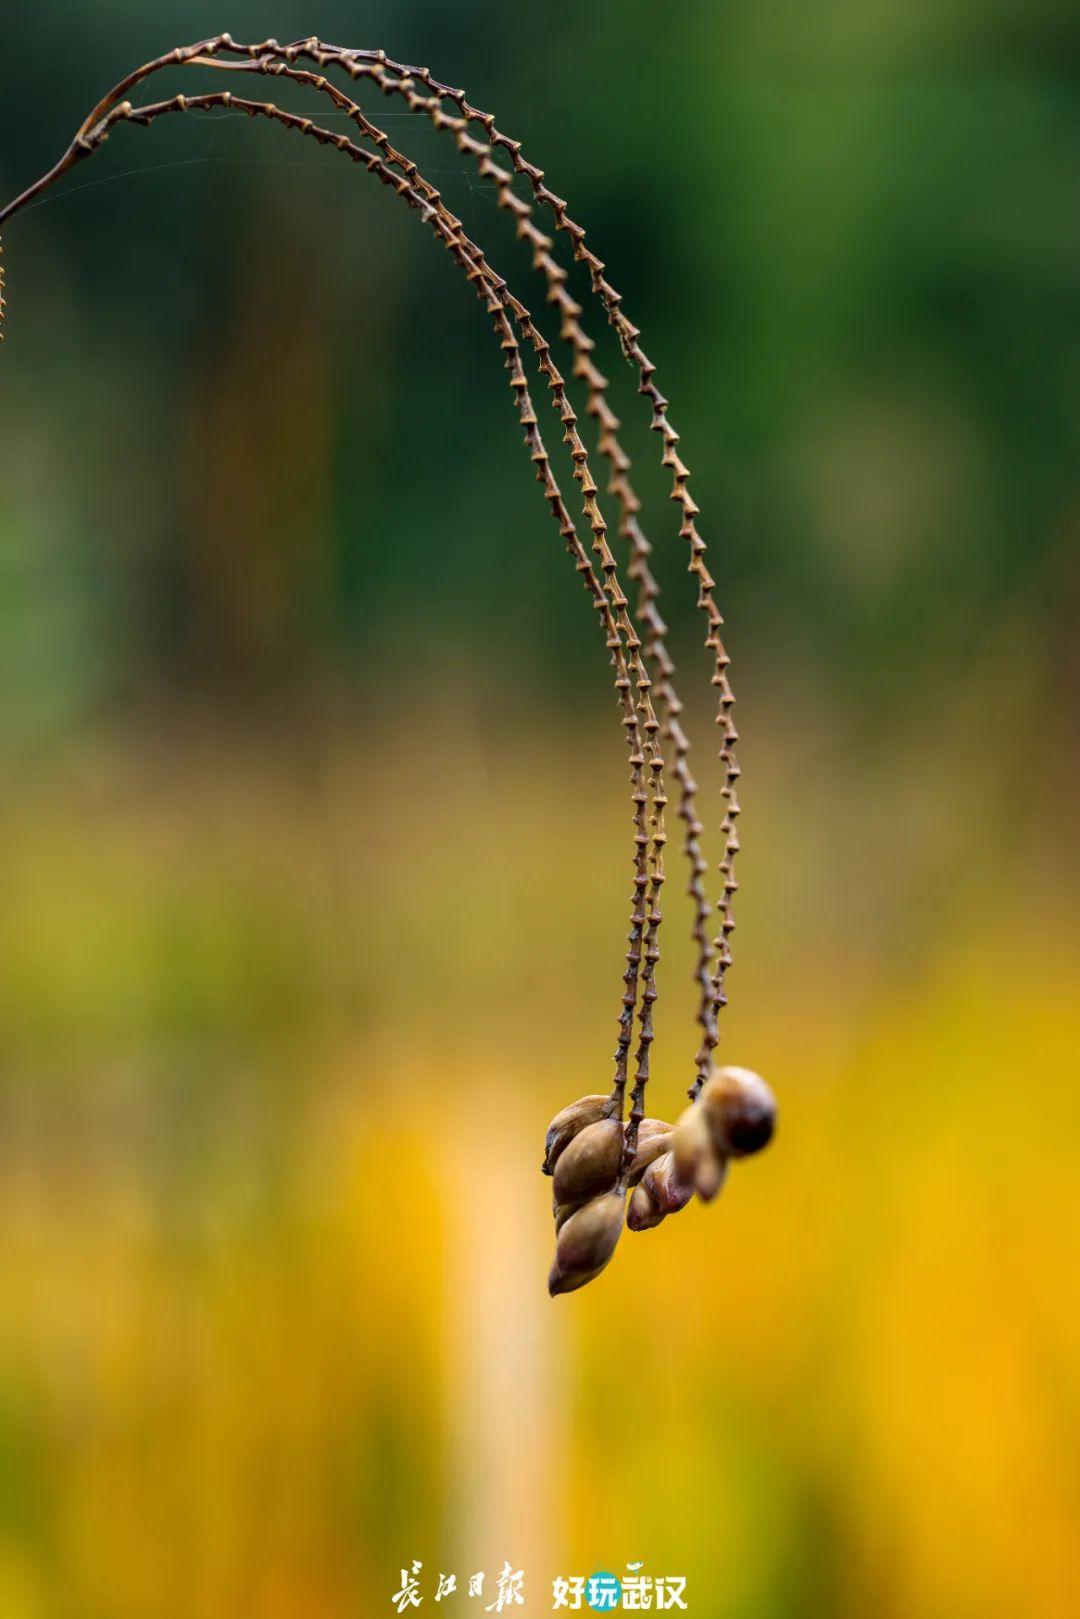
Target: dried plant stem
646, 914
610, 600
271, 58
711, 982
591, 1149
661, 666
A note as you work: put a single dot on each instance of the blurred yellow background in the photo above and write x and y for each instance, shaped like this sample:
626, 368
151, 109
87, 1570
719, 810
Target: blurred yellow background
275, 1241
305, 736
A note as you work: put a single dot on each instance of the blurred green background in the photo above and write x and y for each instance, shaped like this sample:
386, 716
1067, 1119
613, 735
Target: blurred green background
305, 726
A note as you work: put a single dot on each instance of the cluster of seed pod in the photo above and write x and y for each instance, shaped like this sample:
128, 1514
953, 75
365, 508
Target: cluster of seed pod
596, 1160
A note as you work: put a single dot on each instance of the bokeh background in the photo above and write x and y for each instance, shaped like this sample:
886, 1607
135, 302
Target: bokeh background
314, 836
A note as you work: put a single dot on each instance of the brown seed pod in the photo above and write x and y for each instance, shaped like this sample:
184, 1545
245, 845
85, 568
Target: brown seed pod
710, 1176
664, 1186
741, 1110
591, 1162
654, 1138
566, 1125
698, 1161
691, 1141
562, 1212
660, 1193
586, 1243
643, 1212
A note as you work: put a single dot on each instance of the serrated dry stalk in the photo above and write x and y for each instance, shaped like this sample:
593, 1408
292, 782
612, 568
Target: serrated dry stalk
650, 834
711, 984
621, 635
378, 67
647, 735
643, 953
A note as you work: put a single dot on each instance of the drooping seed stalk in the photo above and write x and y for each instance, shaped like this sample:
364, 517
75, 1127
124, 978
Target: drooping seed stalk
575, 1263
643, 952
270, 58
646, 915
713, 996
711, 983
373, 64
613, 604
661, 666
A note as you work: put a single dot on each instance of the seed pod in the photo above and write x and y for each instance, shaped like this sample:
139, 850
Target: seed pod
565, 1126
661, 1193
691, 1141
741, 1110
654, 1138
663, 1184
710, 1175
643, 1212
563, 1211
586, 1243
698, 1161
591, 1163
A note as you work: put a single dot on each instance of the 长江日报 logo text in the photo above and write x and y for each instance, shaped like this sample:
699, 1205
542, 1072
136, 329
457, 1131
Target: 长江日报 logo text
602, 1592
